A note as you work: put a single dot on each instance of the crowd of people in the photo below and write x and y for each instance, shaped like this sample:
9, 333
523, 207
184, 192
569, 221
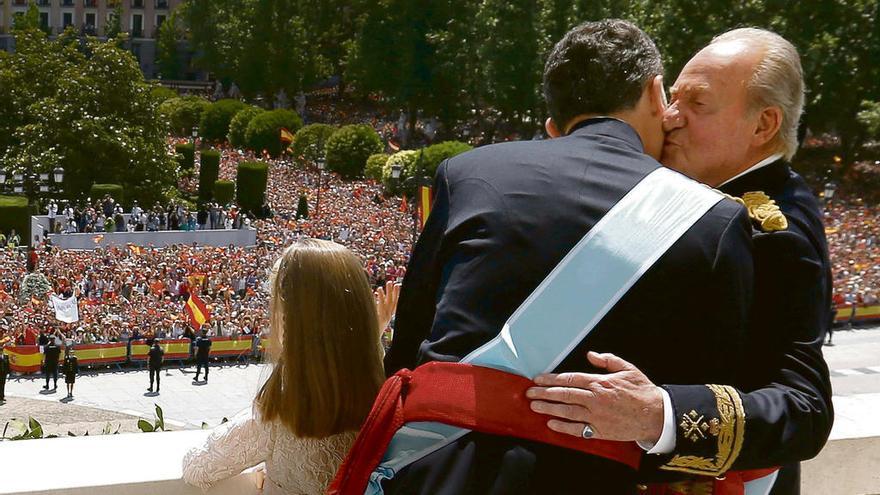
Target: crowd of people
853, 230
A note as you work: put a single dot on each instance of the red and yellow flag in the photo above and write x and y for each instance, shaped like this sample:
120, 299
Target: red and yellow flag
425, 199
137, 250
196, 311
286, 136
404, 204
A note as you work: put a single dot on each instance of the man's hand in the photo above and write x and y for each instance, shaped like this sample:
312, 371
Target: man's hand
622, 405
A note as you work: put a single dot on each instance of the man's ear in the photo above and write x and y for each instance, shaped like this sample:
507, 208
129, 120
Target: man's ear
658, 96
550, 127
768, 125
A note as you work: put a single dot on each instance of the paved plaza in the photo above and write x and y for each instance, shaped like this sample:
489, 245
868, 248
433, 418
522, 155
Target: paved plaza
854, 363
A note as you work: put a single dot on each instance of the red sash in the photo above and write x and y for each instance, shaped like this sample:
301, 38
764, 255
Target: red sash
472, 397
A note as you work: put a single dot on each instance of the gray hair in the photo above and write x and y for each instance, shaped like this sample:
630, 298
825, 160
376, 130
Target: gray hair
778, 81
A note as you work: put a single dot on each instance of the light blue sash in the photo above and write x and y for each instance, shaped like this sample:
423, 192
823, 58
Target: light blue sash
573, 298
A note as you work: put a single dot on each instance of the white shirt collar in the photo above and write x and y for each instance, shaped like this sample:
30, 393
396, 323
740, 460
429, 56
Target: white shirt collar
763, 163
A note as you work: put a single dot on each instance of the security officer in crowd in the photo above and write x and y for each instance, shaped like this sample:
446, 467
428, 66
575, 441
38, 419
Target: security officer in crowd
157, 355
4, 372
203, 349
52, 353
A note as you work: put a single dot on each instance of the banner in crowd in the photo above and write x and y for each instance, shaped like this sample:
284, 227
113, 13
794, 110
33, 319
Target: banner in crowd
174, 349
196, 311
24, 358
115, 352
231, 346
66, 310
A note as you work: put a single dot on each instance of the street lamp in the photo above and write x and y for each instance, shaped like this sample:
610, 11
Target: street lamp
320, 163
830, 189
195, 135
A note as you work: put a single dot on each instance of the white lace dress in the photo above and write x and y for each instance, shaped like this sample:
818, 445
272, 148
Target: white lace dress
302, 466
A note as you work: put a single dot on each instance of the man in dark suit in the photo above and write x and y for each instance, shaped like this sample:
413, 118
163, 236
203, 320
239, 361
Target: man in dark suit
156, 356
51, 353
4, 372
203, 350
503, 218
732, 124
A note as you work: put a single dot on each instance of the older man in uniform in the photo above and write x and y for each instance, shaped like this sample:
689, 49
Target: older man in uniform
732, 123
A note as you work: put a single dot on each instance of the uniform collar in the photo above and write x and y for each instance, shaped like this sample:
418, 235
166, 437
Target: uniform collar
763, 163
769, 177
611, 127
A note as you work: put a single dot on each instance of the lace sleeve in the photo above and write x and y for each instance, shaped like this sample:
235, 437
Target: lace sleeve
231, 447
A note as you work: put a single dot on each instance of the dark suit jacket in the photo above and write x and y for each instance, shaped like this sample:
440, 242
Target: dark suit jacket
785, 387
52, 354
157, 354
203, 349
4, 364
503, 217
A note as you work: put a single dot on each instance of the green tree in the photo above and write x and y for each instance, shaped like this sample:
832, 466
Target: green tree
114, 22
171, 34
29, 20
87, 109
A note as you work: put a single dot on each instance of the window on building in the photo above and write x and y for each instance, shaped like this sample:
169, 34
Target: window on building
67, 19
159, 20
44, 20
137, 25
161, 4
138, 4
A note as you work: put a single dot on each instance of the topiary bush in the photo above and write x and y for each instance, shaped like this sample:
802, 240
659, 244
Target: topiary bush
114, 190
264, 130
14, 214
407, 160
239, 124
308, 143
224, 191
375, 165
209, 172
252, 179
436, 153
348, 148
302, 207
214, 124
182, 114
186, 156
162, 94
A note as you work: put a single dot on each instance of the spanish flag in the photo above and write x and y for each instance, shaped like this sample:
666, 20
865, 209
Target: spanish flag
136, 250
403, 204
196, 311
286, 136
425, 199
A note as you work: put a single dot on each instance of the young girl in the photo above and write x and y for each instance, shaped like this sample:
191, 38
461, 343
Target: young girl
327, 370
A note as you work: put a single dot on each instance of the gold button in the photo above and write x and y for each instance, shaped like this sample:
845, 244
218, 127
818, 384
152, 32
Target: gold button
642, 488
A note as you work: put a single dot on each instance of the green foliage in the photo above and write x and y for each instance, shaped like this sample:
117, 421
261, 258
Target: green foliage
15, 214
375, 165
869, 117
209, 171
407, 160
115, 191
161, 93
308, 142
224, 192
26, 431
348, 148
168, 56
214, 125
252, 179
183, 113
186, 156
158, 425
28, 20
35, 285
302, 207
114, 22
264, 130
84, 106
436, 153
238, 125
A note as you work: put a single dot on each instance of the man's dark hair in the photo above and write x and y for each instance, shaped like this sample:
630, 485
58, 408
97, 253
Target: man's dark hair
599, 68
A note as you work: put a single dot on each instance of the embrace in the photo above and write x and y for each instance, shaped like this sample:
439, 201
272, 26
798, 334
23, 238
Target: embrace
635, 305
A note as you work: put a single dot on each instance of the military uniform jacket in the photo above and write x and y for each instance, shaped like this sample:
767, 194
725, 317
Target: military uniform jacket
52, 353
503, 217
157, 354
203, 349
784, 386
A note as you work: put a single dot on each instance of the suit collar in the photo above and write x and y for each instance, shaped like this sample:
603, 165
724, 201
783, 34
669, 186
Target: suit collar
611, 127
768, 178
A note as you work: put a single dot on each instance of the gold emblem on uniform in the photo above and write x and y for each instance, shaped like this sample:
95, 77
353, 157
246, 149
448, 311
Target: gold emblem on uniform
762, 210
696, 428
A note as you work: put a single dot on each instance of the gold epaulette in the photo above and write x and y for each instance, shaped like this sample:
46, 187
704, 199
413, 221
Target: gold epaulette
762, 210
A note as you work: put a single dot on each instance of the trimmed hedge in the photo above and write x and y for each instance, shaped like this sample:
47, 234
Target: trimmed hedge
14, 214
375, 165
302, 207
214, 124
187, 158
407, 160
239, 124
309, 142
252, 179
348, 148
183, 113
209, 172
162, 94
114, 190
436, 153
224, 192
264, 130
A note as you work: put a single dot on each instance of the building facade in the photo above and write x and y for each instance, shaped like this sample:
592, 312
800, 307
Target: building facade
140, 18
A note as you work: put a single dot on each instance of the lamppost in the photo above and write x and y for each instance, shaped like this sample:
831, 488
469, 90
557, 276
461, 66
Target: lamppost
830, 189
320, 163
29, 183
195, 136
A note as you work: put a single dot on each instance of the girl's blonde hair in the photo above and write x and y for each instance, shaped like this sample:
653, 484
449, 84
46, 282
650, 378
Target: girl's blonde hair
324, 342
